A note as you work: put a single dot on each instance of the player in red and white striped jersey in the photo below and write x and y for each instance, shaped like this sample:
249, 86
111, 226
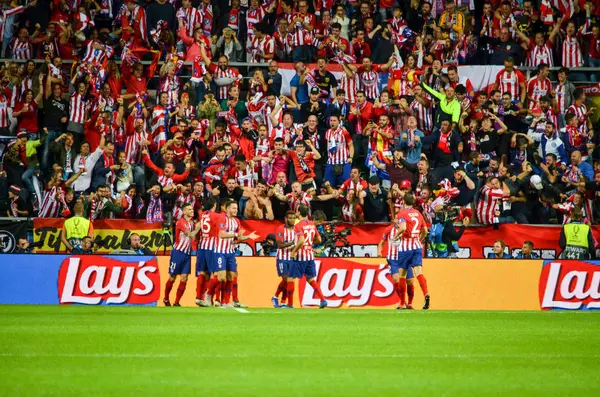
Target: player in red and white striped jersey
487, 207
209, 231
349, 82
511, 80
538, 86
391, 236
413, 230
286, 238
77, 105
572, 56
224, 262
304, 263
180, 261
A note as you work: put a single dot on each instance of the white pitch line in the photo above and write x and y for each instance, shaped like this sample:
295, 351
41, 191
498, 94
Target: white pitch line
237, 309
300, 356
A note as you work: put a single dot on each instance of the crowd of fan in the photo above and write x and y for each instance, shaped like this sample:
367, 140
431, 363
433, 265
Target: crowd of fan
135, 141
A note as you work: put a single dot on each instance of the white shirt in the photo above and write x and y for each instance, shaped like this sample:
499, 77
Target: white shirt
85, 180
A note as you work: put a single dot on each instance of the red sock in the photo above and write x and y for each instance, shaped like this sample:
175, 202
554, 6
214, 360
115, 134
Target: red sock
284, 291
212, 285
280, 288
234, 290
200, 286
317, 289
401, 291
410, 291
219, 291
180, 291
227, 292
290, 292
168, 288
423, 284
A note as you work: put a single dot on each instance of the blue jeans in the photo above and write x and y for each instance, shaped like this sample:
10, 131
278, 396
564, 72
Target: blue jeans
28, 179
302, 53
337, 181
139, 178
52, 135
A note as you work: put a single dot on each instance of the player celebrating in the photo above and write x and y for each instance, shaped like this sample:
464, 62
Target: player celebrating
391, 235
180, 256
224, 263
410, 251
304, 263
206, 245
287, 238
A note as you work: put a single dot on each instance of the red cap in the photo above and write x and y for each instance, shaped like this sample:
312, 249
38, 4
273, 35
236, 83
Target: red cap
405, 184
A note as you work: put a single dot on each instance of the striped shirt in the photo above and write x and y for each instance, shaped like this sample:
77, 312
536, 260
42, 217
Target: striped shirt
286, 235
337, 145
93, 55
369, 81
5, 112
510, 82
244, 177
180, 201
307, 229
392, 245
210, 229
536, 89
488, 205
540, 54
580, 113
51, 207
266, 46
227, 245
571, 53
411, 237
171, 85
183, 243
229, 73
560, 98
350, 86
77, 108
159, 125
21, 49
295, 202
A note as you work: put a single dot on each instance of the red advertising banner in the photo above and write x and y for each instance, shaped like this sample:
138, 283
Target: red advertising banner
360, 240
570, 285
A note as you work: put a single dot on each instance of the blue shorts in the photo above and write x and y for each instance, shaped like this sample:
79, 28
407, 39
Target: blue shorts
412, 258
302, 268
394, 265
222, 262
283, 267
180, 263
203, 258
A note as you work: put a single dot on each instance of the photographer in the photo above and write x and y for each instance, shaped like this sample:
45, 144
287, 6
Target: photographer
87, 247
268, 247
444, 236
23, 247
135, 245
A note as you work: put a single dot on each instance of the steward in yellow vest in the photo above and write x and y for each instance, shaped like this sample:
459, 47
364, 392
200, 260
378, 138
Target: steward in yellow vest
576, 240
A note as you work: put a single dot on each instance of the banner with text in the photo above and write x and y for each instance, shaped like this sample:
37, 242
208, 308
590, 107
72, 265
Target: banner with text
570, 285
10, 232
110, 235
362, 241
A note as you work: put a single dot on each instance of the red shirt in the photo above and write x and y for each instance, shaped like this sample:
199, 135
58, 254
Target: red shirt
28, 119
309, 160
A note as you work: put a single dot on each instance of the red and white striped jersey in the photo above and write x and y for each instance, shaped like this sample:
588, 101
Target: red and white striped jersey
254, 16
309, 231
229, 73
424, 115
192, 18
581, 113
51, 207
571, 53
510, 82
286, 235
263, 145
77, 106
540, 54
295, 202
21, 49
209, 222
158, 126
93, 55
560, 98
5, 14
337, 145
488, 205
183, 243
266, 46
392, 245
356, 186
180, 201
165, 181
207, 18
227, 245
244, 177
283, 41
5, 109
369, 81
351, 213
303, 36
536, 89
411, 237
350, 86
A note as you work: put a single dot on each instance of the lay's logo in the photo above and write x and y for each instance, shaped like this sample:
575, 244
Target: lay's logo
93, 280
570, 284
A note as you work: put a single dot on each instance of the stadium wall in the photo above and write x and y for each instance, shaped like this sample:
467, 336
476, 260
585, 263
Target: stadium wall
349, 282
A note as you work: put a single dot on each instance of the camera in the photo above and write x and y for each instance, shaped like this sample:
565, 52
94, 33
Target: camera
268, 247
336, 241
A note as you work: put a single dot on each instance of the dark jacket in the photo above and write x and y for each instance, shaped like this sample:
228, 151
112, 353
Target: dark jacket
59, 153
99, 173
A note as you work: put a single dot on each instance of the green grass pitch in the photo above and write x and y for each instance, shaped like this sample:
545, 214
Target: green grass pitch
133, 351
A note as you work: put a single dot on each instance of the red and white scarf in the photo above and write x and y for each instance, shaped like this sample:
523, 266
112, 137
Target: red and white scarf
155, 210
109, 161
